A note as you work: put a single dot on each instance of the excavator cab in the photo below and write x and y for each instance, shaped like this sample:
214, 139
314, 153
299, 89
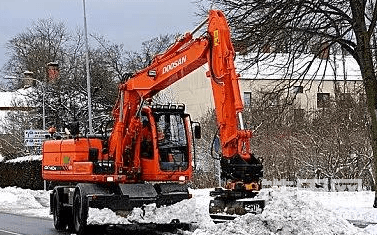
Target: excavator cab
166, 144
172, 141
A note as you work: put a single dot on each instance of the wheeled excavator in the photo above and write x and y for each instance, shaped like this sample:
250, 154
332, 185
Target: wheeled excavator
147, 157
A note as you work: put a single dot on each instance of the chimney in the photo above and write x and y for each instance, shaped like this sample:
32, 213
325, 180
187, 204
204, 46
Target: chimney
52, 71
28, 79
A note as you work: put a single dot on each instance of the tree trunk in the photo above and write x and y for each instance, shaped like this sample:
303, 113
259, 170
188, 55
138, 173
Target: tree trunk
365, 61
364, 57
371, 95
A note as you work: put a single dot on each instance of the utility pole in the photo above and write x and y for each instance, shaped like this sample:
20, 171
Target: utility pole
88, 73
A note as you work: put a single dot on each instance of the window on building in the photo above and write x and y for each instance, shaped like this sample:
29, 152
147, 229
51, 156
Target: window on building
247, 98
323, 100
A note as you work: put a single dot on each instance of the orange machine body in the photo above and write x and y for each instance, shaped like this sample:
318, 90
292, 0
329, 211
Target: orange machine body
83, 159
119, 158
147, 156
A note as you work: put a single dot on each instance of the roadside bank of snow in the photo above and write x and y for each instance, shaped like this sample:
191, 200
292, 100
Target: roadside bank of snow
352, 206
26, 158
25, 202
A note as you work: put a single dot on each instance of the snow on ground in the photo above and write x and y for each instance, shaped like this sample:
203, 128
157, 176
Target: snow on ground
287, 211
26, 158
25, 202
186, 211
349, 205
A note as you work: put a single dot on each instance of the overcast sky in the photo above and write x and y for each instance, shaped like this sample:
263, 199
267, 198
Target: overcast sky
130, 22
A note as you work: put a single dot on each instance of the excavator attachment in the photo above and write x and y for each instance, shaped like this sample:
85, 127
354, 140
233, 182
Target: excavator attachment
228, 205
240, 194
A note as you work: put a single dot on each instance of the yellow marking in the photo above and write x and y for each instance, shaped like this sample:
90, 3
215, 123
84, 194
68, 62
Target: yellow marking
216, 40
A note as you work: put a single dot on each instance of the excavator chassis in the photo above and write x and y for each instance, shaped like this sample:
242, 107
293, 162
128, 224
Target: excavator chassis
228, 205
70, 204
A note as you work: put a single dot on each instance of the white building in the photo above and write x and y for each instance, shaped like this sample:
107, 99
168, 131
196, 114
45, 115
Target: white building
13, 101
311, 91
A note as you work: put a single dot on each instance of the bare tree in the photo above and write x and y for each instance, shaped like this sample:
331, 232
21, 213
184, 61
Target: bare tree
331, 142
298, 27
207, 162
66, 97
12, 139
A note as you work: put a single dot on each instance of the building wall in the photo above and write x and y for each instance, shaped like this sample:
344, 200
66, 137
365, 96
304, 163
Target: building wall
311, 90
196, 93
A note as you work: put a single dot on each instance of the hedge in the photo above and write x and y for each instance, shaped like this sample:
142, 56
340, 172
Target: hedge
25, 174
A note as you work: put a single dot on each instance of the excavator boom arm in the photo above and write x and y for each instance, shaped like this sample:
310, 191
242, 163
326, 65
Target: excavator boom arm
183, 57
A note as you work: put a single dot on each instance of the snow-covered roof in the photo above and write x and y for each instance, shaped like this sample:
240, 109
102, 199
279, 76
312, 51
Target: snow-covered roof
271, 66
7, 97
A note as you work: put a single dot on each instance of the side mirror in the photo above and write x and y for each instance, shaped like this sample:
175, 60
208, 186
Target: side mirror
216, 144
197, 131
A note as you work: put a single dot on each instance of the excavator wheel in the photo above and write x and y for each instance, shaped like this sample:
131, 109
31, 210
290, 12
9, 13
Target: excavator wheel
60, 215
80, 211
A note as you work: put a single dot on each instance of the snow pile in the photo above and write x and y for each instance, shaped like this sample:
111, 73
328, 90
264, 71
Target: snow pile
26, 158
25, 202
104, 216
371, 229
185, 211
286, 212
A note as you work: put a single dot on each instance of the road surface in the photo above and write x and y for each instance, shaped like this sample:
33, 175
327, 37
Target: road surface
22, 225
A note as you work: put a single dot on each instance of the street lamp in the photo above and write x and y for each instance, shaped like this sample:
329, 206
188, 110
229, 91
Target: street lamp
88, 73
29, 76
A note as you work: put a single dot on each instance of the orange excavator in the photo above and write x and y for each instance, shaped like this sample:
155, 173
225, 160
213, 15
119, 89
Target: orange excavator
147, 157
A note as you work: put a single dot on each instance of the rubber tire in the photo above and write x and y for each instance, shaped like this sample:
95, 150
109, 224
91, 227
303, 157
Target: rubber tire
59, 216
80, 212
71, 226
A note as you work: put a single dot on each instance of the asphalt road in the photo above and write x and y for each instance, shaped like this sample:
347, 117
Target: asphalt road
21, 225
17, 225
